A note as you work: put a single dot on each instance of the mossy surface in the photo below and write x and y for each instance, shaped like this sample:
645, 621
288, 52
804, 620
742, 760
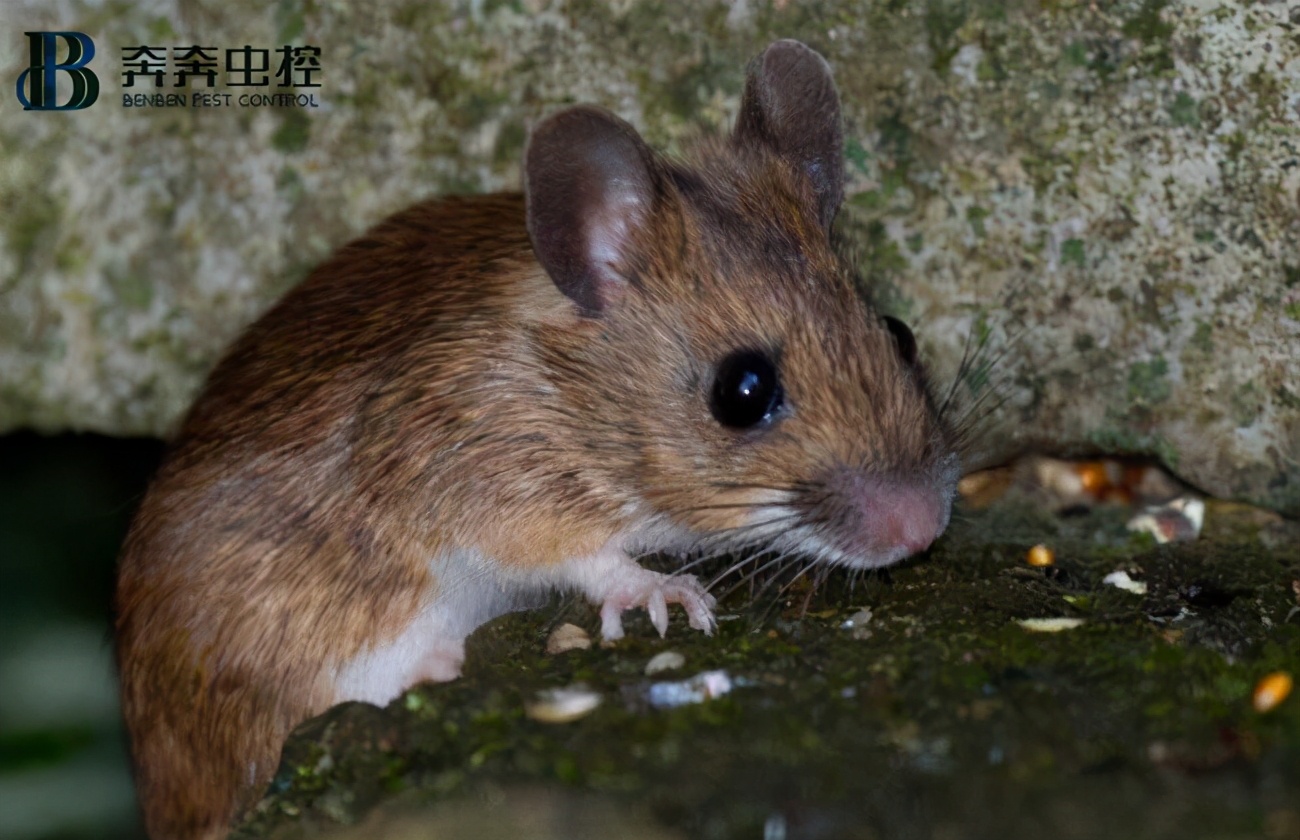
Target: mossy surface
941, 716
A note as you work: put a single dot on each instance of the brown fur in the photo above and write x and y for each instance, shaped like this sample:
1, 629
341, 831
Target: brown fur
429, 388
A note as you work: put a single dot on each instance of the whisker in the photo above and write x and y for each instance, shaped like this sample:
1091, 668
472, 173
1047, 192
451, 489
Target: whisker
750, 576
734, 567
962, 369
774, 603
729, 535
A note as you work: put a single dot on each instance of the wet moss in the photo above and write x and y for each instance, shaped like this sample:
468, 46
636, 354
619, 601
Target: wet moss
945, 702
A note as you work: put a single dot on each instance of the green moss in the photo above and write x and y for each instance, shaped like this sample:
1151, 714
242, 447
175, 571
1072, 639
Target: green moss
1148, 382
1072, 252
1246, 403
943, 18
1118, 437
880, 261
32, 226
1269, 94
857, 155
1150, 26
510, 142
895, 139
976, 215
1185, 111
132, 290
1202, 338
948, 698
294, 132
160, 30
290, 20
1075, 54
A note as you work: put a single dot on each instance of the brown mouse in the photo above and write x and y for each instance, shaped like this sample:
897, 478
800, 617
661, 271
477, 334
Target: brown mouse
485, 399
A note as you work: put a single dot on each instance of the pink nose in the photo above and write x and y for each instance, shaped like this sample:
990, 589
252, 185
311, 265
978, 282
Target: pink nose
903, 517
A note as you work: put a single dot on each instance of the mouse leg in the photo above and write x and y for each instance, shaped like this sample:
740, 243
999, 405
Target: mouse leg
617, 583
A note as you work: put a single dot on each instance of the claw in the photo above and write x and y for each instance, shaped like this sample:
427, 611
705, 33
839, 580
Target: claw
611, 621
700, 615
657, 606
631, 586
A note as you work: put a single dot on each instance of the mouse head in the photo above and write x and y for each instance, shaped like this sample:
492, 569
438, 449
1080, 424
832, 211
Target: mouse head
726, 366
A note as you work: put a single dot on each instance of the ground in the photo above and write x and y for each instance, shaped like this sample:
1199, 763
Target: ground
939, 715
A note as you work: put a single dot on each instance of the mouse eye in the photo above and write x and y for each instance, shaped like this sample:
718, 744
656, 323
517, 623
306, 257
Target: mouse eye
903, 338
746, 391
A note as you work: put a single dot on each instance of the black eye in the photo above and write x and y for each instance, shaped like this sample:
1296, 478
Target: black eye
903, 338
746, 391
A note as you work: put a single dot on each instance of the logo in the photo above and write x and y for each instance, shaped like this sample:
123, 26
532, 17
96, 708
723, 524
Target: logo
38, 85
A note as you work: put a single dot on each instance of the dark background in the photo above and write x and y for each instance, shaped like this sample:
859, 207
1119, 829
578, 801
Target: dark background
65, 503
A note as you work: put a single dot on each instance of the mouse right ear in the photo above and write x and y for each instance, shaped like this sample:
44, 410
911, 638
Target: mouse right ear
790, 105
589, 185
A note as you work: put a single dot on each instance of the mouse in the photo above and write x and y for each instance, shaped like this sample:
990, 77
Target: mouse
487, 399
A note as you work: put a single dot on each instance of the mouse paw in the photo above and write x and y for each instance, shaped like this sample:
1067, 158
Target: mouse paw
655, 592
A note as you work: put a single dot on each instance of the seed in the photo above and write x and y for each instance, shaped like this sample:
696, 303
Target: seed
666, 661
1271, 690
1040, 556
567, 637
1050, 625
562, 705
1093, 475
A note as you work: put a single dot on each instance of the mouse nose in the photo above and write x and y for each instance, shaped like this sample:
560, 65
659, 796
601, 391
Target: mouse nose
901, 519
880, 519
905, 518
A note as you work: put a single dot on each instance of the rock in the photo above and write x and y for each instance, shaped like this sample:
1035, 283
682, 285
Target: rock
1103, 199
982, 728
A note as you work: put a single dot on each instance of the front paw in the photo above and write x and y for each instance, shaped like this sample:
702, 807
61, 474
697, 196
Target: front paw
655, 592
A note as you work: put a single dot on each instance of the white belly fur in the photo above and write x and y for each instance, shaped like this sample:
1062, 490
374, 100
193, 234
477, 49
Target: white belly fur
470, 591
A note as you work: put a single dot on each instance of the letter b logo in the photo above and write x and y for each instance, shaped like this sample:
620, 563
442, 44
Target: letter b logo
41, 92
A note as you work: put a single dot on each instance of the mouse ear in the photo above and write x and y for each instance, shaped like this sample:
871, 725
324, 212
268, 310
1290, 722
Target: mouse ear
790, 105
589, 185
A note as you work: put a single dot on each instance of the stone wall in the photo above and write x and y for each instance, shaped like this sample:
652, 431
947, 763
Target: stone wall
1104, 195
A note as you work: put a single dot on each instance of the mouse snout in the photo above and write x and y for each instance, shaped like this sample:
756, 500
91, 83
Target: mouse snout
903, 518
889, 519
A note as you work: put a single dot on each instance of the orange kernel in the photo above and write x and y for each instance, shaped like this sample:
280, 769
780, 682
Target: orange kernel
1271, 690
1092, 475
1040, 556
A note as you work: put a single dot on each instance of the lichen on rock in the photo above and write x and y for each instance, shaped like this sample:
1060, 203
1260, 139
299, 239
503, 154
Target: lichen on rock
1105, 194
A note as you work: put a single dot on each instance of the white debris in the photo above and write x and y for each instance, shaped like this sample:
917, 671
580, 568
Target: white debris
667, 661
858, 619
1122, 580
856, 624
1050, 625
561, 705
707, 685
1177, 521
567, 637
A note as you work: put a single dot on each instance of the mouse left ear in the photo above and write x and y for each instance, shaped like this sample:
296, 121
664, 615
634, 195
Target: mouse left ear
791, 106
589, 187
